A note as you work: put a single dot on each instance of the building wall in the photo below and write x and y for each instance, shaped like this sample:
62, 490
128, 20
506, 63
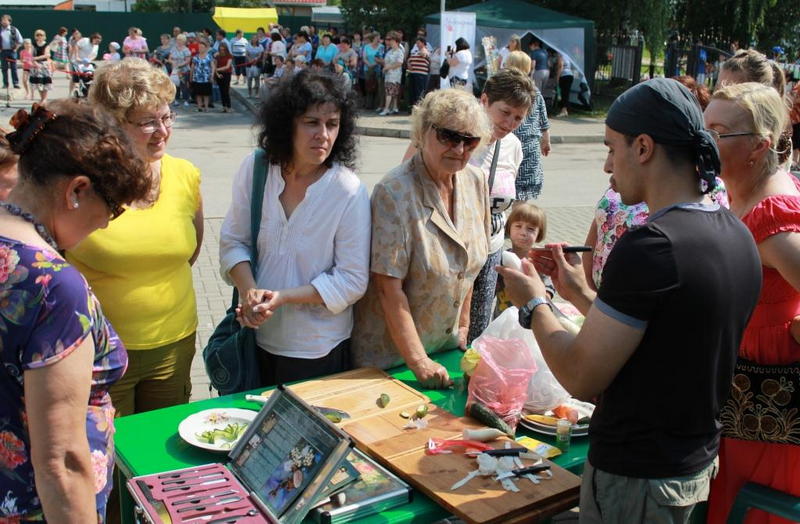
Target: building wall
112, 25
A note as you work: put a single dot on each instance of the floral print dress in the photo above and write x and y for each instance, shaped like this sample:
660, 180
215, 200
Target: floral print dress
613, 218
46, 311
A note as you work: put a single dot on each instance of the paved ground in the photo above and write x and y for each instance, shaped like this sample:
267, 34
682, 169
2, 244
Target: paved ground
573, 130
217, 142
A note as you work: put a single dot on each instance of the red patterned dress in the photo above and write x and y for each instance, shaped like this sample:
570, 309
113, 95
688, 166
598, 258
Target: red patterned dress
766, 341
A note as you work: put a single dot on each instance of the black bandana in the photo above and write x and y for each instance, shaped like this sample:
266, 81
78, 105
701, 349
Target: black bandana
670, 114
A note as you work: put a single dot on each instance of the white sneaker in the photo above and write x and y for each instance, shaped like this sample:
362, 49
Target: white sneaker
384, 113
186, 103
395, 111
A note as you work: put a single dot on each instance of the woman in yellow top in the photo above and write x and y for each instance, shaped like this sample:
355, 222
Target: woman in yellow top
140, 266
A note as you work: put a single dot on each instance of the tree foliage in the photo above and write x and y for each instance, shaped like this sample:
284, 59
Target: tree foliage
383, 15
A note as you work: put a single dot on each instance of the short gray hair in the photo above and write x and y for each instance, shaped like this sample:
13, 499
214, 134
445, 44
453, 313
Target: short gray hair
452, 108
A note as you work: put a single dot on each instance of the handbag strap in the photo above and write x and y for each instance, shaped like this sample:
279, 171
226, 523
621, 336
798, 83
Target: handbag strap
256, 205
260, 171
493, 169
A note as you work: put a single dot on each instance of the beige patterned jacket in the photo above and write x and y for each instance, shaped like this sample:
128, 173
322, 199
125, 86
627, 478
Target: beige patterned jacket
414, 239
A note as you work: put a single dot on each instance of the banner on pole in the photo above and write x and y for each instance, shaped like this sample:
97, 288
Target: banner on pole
455, 25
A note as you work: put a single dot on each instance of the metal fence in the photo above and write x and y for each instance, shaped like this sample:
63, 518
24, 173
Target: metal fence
621, 61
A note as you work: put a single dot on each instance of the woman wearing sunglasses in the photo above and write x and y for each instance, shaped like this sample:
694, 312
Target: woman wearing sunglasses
61, 355
430, 227
140, 266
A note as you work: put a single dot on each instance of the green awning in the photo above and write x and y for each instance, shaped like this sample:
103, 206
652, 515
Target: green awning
517, 14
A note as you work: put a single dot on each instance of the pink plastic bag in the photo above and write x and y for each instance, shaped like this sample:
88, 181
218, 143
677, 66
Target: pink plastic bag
500, 382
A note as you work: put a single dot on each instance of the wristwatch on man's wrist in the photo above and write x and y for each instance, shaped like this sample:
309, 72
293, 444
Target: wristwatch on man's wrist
526, 311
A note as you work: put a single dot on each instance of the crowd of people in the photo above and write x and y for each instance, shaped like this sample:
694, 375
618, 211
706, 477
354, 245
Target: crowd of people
691, 289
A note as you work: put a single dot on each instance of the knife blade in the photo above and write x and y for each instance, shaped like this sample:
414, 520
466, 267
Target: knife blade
189, 486
233, 518
177, 474
201, 507
197, 499
332, 411
261, 399
183, 480
158, 505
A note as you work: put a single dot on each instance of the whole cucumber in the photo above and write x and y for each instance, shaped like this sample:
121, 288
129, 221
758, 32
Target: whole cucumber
485, 415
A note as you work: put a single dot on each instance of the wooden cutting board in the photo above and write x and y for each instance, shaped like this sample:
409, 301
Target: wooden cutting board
481, 499
379, 432
357, 393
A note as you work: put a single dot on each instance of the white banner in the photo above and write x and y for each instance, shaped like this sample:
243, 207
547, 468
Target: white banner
455, 25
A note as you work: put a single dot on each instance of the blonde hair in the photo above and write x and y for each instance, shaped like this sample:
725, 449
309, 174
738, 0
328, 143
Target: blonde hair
530, 214
519, 60
128, 85
517, 40
753, 65
181, 38
765, 111
452, 108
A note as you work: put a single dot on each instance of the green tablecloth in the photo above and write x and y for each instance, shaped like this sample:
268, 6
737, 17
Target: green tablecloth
149, 442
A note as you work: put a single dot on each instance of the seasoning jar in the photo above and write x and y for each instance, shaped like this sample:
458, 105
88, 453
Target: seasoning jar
563, 435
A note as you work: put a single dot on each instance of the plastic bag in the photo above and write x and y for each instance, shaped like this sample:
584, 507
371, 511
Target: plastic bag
500, 382
544, 391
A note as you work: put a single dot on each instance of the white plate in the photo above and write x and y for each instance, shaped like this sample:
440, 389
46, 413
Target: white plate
584, 409
211, 419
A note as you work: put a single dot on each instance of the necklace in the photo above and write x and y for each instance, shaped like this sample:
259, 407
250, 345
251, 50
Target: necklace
17, 211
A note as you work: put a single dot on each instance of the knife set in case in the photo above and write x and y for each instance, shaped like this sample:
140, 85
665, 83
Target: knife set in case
277, 471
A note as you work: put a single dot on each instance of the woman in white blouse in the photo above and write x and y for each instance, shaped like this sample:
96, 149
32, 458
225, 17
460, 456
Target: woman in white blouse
460, 65
314, 240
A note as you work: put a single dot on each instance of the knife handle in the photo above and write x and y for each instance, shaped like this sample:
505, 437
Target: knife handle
531, 469
509, 452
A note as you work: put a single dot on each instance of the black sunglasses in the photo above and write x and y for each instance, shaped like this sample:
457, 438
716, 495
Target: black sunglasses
115, 208
448, 137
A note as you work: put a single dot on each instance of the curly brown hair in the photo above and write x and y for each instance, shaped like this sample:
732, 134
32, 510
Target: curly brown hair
82, 139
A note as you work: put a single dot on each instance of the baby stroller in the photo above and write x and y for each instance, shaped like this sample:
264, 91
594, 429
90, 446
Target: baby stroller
83, 73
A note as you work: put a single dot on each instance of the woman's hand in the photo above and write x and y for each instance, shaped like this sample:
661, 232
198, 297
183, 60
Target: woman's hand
544, 145
430, 374
257, 307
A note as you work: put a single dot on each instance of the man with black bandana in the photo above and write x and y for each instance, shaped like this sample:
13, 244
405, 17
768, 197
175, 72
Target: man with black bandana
659, 343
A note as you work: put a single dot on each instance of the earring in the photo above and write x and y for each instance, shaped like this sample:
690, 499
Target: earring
750, 163
75, 204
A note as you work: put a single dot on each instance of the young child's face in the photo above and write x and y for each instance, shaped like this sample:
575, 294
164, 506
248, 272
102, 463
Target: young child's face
523, 234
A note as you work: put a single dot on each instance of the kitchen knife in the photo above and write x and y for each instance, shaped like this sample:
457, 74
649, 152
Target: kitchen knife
160, 507
197, 499
233, 518
523, 471
183, 480
189, 486
322, 409
177, 474
201, 507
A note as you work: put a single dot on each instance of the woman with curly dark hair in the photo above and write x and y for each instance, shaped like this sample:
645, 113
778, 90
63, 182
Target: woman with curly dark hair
76, 171
313, 246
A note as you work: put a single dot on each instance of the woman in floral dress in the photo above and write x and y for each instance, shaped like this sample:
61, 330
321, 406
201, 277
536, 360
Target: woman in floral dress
59, 355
